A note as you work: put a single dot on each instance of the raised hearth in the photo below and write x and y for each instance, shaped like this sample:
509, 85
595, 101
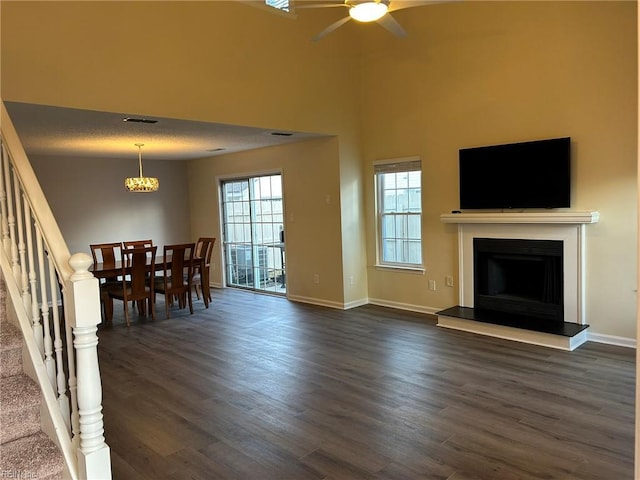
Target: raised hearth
565, 228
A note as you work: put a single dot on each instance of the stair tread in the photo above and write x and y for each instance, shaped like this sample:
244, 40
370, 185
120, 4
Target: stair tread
35, 456
18, 392
10, 336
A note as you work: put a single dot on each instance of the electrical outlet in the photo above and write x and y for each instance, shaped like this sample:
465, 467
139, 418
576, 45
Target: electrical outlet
316, 278
432, 285
448, 280
350, 279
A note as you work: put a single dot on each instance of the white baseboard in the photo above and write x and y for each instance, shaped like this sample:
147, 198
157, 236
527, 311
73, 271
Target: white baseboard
356, 303
591, 336
612, 340
316, 301
404, 306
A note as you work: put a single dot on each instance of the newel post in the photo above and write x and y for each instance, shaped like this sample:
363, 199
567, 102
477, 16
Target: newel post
94, 458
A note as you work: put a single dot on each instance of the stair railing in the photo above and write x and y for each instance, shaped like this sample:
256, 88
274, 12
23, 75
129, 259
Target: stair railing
56, 302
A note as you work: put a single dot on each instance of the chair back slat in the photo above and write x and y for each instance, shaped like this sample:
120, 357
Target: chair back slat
204, 248
131, 244
137, 243
176, 280
181, 257
143, 263
105, 253
138, 265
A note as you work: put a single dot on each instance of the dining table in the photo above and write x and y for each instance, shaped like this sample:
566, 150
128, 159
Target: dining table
100, 271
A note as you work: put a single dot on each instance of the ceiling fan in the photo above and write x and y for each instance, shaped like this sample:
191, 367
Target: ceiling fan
367, 11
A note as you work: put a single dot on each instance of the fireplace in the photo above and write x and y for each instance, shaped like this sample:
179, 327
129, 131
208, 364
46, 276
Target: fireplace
519, 276
528, 265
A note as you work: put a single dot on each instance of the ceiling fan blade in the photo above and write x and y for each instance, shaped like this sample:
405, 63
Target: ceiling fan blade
298, 5
402, 4
331, 28
390, 23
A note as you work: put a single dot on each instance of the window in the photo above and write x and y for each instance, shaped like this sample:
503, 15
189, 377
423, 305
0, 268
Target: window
279, 4
399, 209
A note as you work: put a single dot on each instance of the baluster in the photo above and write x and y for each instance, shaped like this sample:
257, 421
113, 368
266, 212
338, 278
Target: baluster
11, 219
44, 308
24, 283
84, 295
32, 270
63, 400
6, 241
73, 382
35, 321
73, 386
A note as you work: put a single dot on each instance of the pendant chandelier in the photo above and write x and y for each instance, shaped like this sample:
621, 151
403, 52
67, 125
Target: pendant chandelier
141, 183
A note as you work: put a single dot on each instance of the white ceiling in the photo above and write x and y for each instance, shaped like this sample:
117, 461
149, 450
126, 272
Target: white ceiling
49, 130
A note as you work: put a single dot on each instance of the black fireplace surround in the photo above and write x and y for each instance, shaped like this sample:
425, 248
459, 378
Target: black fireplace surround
519, 276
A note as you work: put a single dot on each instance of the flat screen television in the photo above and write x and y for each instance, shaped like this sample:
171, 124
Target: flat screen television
533, 174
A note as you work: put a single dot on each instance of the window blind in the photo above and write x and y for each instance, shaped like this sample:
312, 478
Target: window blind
395, 167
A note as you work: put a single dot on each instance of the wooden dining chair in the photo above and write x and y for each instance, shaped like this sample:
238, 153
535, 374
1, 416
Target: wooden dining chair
130, 244
106, 254
177, 273
137, 289
201, 267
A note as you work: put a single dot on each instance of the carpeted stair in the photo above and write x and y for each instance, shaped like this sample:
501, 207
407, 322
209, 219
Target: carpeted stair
25, 451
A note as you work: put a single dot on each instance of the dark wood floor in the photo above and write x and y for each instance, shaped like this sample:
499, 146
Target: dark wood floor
260, 388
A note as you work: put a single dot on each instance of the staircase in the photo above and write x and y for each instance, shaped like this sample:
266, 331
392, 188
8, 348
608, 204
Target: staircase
25, 450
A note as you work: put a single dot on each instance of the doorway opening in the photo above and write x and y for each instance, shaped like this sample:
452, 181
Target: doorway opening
253, 231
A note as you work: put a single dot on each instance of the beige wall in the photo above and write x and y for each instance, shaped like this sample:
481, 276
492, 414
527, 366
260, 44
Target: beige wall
469, 73
483, 73
213, 61
312, 225
219, 61
91, 205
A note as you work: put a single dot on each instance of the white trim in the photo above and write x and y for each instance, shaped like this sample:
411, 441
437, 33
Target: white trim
356, 303
612, 340
408, 164
404, 306
570, 217
219, 179
313, 301
402, 269
572, 235
591, 336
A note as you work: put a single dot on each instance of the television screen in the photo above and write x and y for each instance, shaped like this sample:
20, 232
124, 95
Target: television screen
533, 174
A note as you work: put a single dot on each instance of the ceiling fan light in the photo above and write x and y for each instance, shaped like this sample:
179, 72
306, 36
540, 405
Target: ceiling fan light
368, 11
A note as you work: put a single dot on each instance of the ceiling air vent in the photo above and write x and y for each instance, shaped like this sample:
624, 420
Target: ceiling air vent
281, 134
138, 120
219, 149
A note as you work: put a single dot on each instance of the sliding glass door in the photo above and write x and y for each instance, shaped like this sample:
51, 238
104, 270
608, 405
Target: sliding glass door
253, 224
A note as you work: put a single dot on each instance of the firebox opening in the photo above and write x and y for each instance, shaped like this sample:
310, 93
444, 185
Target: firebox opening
522, 277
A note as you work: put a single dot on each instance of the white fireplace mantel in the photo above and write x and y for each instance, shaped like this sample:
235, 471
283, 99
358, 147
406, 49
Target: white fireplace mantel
566, 226
567, 217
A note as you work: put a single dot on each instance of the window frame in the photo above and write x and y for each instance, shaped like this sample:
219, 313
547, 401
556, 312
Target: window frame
282, 8
396, 165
